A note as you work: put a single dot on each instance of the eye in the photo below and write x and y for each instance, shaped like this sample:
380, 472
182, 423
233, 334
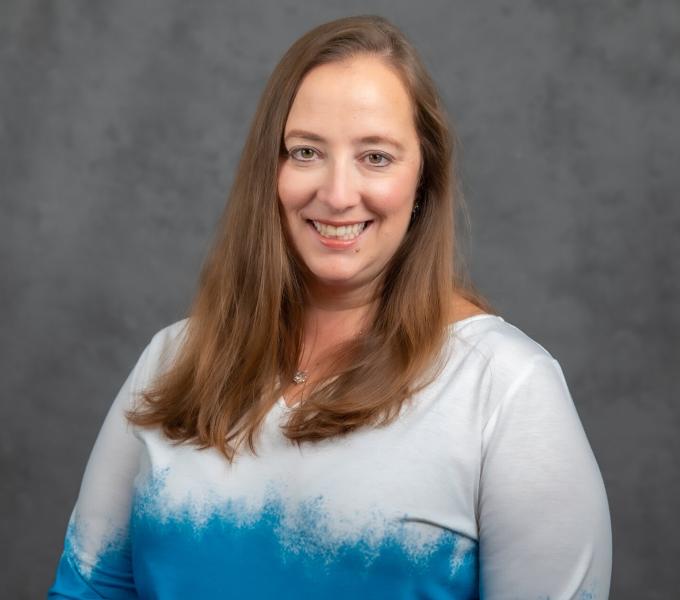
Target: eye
378, 159
302, 153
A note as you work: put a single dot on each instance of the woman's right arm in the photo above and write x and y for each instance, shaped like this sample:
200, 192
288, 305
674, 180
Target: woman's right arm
96, 559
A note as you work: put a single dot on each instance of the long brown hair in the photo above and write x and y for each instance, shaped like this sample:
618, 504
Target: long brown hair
244, 332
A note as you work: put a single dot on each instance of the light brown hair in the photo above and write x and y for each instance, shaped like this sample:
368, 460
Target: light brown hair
244, 332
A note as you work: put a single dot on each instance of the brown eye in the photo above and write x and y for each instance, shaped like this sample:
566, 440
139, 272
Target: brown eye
378, 160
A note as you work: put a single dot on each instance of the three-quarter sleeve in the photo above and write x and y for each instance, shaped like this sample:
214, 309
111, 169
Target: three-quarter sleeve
544, 523
96, 559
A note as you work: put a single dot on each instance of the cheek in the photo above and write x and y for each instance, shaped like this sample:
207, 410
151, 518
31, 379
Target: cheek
293, 189
393, 197
296, 187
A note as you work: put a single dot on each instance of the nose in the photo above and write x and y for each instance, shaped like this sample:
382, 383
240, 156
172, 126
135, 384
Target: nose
339, 189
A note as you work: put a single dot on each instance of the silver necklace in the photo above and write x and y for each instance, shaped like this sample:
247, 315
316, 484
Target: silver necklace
300, 377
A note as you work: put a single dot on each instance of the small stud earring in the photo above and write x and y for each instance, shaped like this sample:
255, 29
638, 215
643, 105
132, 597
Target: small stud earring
416, 207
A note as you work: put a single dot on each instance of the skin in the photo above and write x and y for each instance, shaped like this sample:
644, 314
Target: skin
353, 156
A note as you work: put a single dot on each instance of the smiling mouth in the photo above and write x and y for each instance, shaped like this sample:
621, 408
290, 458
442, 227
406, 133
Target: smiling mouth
343, 232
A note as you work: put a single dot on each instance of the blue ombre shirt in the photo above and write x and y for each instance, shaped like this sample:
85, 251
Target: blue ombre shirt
484, 487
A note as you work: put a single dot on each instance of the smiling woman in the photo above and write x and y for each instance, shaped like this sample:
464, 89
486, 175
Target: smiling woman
341, 415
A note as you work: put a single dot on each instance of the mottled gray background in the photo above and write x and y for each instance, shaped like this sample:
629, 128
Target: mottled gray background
122, 122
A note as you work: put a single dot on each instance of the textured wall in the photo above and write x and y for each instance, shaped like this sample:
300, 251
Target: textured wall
122, 122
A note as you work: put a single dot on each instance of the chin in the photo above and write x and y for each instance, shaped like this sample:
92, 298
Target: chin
334, 280
344, 282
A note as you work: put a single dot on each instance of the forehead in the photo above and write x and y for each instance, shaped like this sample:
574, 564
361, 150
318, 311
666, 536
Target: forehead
356, 94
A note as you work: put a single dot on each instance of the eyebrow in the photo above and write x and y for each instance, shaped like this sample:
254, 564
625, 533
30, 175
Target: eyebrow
368, 139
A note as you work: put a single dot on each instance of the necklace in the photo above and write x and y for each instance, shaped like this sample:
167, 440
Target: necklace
300, 377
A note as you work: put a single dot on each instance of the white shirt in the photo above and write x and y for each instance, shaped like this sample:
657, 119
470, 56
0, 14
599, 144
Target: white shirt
485, 486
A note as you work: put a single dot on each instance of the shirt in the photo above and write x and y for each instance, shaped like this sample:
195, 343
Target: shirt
485, 486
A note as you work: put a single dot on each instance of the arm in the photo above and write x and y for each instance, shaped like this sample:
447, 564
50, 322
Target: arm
544, 520
96, 561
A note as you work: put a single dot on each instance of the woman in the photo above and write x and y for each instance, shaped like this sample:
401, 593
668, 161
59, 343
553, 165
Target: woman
341, 415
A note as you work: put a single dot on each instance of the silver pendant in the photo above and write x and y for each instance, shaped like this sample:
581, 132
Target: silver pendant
300, 377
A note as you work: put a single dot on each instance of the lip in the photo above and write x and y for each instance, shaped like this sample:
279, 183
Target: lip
337, 244
339, 223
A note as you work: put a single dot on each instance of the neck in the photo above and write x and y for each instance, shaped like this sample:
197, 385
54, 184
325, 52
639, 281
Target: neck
323, 298
333, 315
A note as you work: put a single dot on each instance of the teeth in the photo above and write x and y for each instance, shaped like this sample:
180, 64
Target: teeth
344, 232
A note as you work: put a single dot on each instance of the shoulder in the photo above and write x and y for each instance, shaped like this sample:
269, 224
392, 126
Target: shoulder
170, 335
161, 350
506, 354
498, 340
505, 346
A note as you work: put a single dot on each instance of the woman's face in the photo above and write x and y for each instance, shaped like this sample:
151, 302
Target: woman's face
348, 180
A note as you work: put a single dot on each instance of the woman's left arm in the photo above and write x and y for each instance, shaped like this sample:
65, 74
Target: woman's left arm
544, 523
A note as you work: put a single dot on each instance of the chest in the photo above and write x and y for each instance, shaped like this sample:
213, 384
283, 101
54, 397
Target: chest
398, 499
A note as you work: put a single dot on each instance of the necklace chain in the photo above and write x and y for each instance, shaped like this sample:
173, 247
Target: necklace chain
300, 377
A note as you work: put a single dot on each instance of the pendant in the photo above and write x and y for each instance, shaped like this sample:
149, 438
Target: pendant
300, 377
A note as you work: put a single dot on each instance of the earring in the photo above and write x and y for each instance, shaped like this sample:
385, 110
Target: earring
416, 206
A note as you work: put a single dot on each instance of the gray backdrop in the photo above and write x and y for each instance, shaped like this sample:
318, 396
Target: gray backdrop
122, 122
